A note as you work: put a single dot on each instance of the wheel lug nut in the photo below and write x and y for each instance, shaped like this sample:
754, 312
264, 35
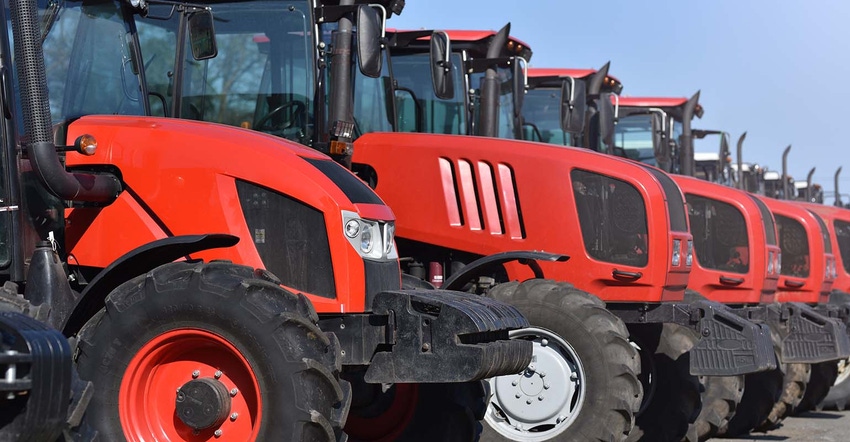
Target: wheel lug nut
528, 401
540, 398
234, 392
546, 385
217, 374
544, 342
218, 433
518, 395
195, 374
515, 383
542, 374
234, 416
573, 376
560, 419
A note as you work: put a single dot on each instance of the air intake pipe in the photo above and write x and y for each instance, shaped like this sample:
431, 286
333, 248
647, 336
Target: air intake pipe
785, 189
739, 176
837, 193
686, 148
38, 140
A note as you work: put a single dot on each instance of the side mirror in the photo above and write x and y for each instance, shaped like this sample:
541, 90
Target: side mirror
441, 66
573, 105
369, 33
520, 84
607, 116
202, 35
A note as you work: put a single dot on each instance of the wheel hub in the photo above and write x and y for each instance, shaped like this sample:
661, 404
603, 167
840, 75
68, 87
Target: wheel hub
543, 399
203, 403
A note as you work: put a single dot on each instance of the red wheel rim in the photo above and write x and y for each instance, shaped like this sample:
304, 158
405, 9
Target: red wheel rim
389, 425
146, 400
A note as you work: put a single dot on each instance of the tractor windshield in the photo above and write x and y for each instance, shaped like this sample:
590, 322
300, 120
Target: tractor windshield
541, 112
795, 247
262, 77
842, 234
633, 134
90, 62
612, 215
720, 234
419, 108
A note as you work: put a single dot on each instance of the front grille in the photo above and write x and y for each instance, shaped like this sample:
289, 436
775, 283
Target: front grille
380, 276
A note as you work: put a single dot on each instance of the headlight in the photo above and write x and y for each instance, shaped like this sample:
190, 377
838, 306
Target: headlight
371, 239
677, 250
689, 257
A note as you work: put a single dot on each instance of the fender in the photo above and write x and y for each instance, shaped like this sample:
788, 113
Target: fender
487, 264
138, 262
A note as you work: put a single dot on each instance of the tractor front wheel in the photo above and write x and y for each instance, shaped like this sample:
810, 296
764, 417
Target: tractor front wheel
582, 383
824, 376
416, 412
194, 351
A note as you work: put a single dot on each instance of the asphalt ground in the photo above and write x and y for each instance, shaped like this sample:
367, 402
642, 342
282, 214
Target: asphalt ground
815, 426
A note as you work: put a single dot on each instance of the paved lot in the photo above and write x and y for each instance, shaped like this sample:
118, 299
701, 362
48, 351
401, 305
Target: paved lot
822, 426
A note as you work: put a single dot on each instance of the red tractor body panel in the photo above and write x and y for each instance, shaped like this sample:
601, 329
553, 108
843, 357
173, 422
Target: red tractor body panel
181, 177
804, 276
758, 284
837, 220
486, 196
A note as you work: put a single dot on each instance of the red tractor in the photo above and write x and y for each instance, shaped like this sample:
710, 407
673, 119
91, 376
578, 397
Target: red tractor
323, 337
837, 221
490, 202
721, 214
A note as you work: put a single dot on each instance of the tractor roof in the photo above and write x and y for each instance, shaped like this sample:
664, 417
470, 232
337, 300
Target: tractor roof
672, 105
474, 41
551, 77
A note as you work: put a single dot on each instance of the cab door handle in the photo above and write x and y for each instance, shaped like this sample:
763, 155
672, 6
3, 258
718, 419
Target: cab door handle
626, 276
725, 280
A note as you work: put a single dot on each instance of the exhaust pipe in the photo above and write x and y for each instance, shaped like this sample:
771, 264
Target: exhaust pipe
739, 177
785, 172
809, 185
686, 150
489, 125
837, 193
41, 151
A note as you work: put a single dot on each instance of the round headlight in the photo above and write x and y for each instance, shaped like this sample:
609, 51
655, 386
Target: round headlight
352, 228
366, 242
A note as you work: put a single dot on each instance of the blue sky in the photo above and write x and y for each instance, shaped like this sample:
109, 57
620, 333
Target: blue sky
776, 69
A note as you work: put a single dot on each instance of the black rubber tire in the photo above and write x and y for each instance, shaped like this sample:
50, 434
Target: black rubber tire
673, 394
441, 412
295, 363
761, 391
721, 396
839, 393
822, 380
599, 339
795, 383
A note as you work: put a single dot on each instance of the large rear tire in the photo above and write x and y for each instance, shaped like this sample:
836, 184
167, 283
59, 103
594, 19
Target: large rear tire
194, 350
416, 412
824, 375
721, 396
761, 391
794, 385
672, 398
582, 385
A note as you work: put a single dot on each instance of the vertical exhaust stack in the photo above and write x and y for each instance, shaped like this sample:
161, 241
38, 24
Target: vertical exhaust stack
809, 185
785, 189
837, 193
489, 125
340, 106
38, 141
686, 149
739, 176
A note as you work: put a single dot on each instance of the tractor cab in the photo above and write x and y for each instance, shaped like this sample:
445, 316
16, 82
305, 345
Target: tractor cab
558, 102
657, 130
478, 86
